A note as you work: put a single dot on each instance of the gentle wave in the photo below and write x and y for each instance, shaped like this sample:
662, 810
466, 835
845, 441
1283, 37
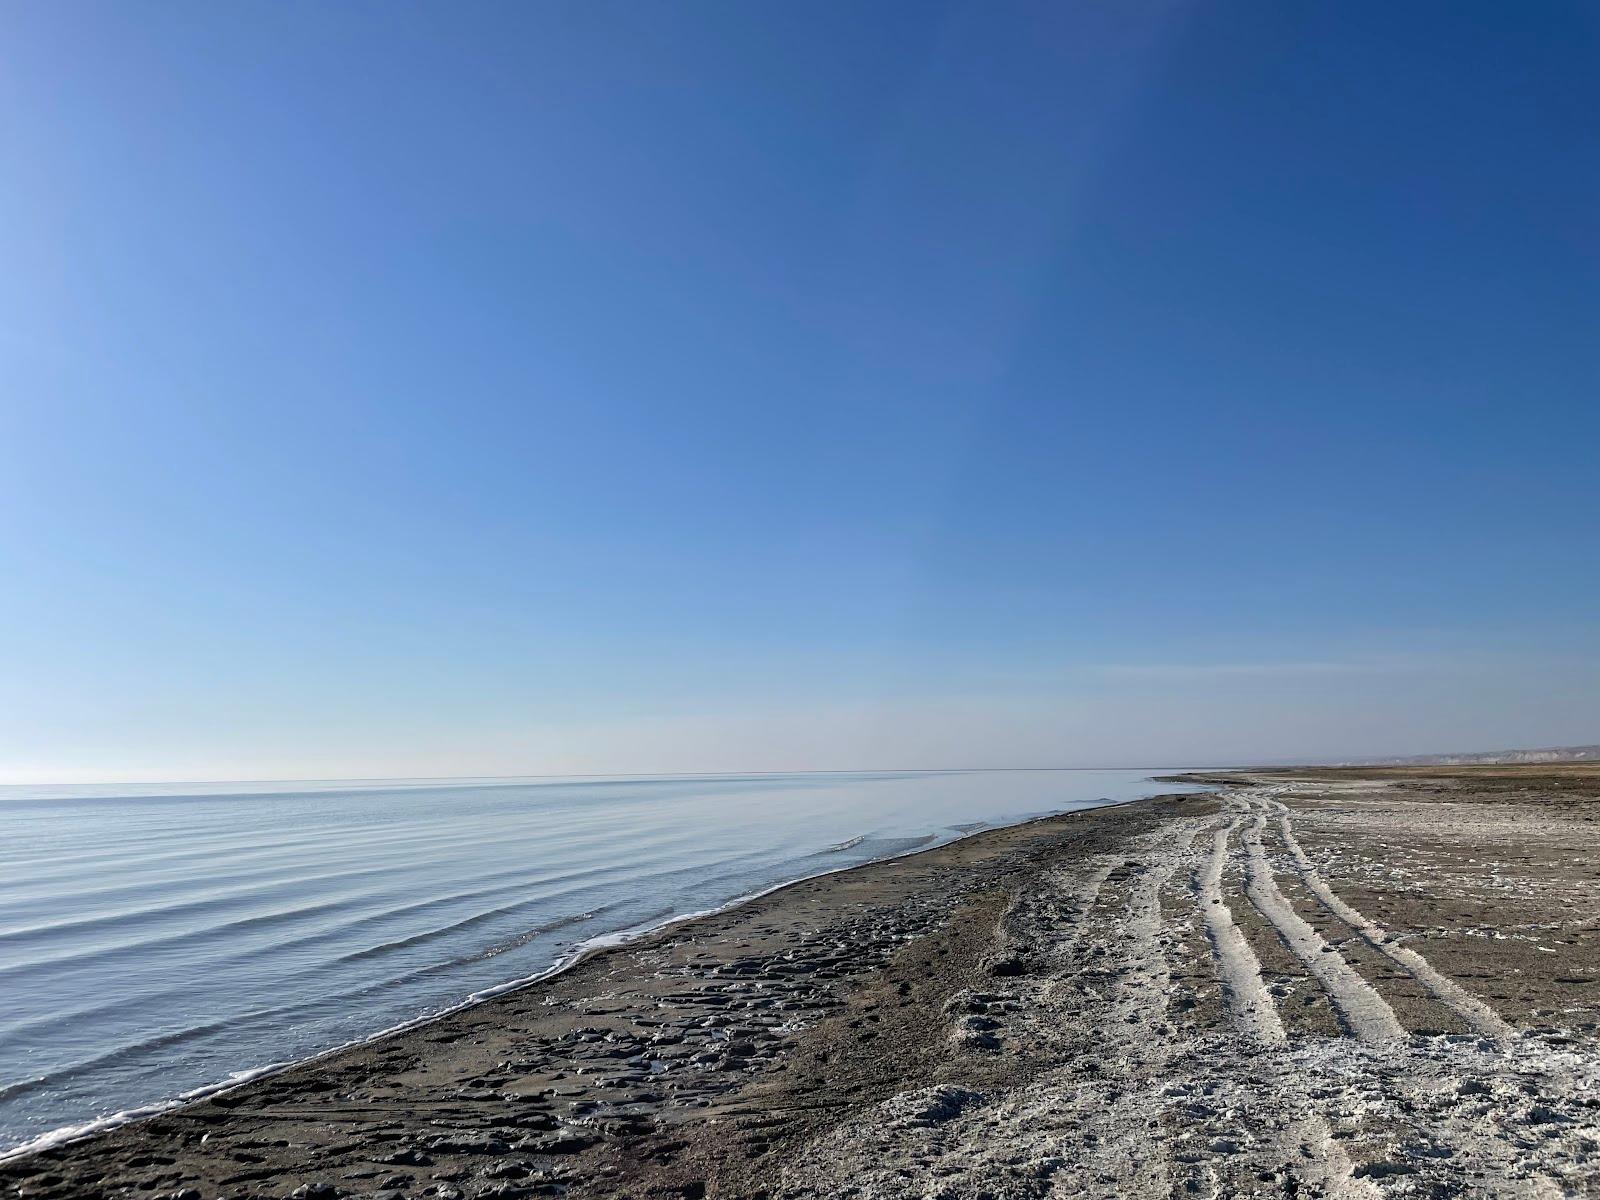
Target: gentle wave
157, 946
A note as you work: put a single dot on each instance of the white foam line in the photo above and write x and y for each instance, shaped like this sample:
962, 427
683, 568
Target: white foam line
580, 953
1483, 1019
72, 1133
1366, 1014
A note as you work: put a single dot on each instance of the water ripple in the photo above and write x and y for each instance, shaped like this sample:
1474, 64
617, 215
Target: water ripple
160, 941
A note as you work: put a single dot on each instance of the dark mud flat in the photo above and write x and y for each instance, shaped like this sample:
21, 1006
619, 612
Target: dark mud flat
1308, 983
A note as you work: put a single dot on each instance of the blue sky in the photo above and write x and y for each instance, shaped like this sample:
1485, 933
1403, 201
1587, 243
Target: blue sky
405, 389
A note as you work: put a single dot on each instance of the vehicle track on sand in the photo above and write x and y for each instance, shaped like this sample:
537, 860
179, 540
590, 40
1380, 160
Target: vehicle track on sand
1303, 1152
1212, 1114
1146, 985
1478, 1015
1139, 1010
1361, 1009
1137, 1096
1238, 968
1066, 919
1046, 926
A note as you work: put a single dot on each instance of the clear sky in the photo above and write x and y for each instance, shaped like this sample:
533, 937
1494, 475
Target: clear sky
397, 389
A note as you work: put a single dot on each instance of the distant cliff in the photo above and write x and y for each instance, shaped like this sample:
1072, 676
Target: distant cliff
1554, 754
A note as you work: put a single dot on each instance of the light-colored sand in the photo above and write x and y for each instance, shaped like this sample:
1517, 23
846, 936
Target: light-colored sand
1148, 1102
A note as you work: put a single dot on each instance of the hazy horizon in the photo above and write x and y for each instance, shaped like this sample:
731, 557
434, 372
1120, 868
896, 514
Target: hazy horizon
155, 777
401, 391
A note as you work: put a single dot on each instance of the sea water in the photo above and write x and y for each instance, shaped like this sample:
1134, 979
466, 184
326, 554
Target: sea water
159, 940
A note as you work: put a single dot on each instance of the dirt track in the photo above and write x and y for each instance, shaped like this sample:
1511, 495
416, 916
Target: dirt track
1229, 1022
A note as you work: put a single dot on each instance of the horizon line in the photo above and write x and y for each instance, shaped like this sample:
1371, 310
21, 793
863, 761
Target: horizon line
615, 775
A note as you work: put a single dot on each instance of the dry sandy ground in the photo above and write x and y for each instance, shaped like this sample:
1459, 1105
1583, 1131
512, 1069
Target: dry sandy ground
1309, 984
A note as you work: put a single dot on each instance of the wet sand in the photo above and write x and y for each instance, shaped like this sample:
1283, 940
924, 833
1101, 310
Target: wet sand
1336, 983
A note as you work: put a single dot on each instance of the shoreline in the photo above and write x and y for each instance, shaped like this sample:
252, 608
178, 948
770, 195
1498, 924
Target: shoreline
581, 953
1028, 1011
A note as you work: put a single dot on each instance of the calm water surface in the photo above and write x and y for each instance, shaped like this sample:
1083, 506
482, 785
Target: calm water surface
159, 940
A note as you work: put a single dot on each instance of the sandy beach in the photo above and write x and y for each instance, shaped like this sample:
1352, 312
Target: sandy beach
1358, 982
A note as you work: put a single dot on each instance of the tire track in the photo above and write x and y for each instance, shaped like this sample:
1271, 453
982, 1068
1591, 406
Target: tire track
1309, 1152
1131, 1099
1149, 973
1142, 988
1238, 968
1089, 890
1062, 925
1363, 1011
1304, 1150
1482, 1019
1138, 1012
